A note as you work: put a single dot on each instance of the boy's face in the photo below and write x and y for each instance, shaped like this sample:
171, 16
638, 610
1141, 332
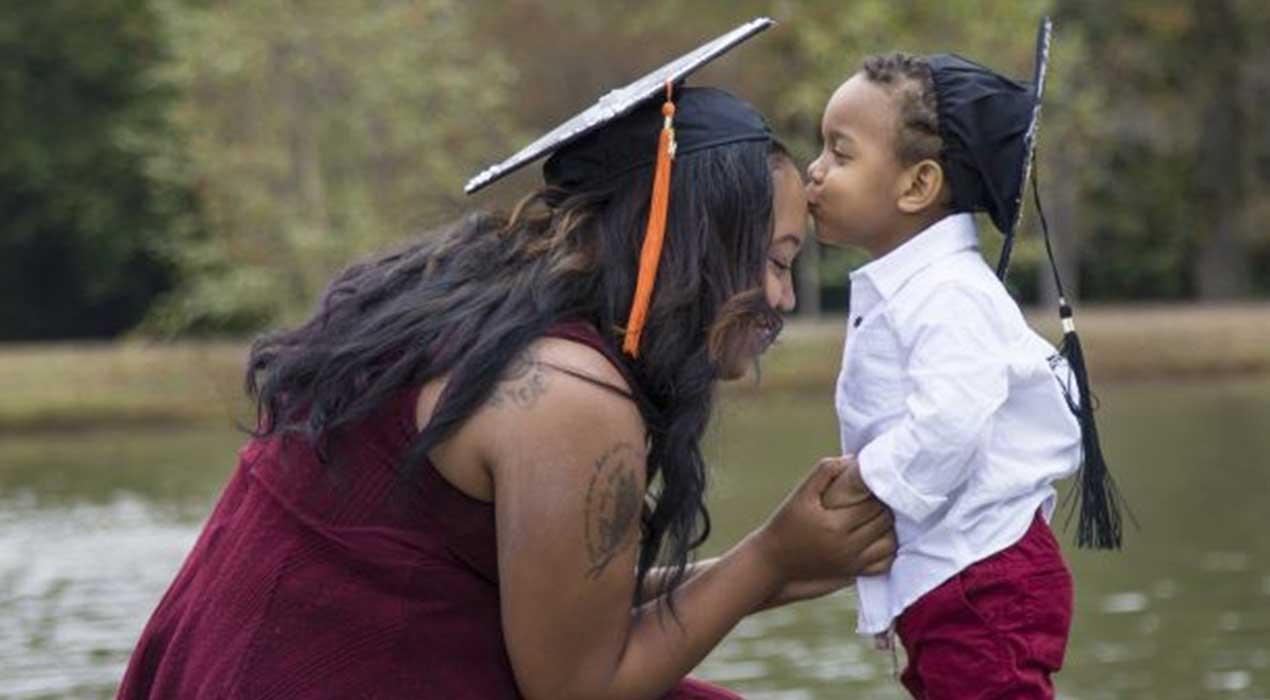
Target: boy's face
855, 183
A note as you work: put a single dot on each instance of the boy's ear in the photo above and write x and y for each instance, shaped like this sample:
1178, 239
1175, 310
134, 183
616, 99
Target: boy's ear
921, 187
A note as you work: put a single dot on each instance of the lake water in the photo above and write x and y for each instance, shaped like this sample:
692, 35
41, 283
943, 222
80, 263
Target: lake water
94, 525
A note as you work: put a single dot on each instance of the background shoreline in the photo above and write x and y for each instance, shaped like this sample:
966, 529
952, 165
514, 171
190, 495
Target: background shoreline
69, 387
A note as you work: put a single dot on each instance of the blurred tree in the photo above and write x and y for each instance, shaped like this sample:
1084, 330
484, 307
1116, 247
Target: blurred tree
80, 208
314, 133
318, 132
1175, 189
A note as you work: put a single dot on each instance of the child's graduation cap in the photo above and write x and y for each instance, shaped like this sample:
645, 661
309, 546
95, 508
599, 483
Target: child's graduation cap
624, 131
989, 124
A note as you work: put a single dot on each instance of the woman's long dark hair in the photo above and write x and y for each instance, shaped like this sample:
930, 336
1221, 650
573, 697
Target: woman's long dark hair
465, 301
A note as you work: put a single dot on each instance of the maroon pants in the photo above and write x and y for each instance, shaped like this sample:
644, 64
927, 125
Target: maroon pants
998, 629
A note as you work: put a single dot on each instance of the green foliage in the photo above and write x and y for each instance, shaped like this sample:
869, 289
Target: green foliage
1176, 191
80, 211
316, 133
229, 157
1140, 242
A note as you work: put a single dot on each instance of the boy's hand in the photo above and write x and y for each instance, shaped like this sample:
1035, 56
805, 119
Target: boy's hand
848, 489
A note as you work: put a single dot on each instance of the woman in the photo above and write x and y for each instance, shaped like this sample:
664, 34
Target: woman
461, 488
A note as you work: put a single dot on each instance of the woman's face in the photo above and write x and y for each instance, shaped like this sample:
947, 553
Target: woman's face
789, 216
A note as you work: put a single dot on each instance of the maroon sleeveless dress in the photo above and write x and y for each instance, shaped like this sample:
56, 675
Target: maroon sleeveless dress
310, 582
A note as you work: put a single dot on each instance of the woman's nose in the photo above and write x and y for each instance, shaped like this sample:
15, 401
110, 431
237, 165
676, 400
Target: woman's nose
789, 301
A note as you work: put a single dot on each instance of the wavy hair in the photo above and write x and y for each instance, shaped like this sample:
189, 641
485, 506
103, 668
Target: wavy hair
464, 301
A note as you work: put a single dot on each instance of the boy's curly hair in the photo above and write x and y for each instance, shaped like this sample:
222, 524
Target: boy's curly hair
907, 78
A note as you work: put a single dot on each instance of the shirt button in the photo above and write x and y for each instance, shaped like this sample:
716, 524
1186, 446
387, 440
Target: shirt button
856, 323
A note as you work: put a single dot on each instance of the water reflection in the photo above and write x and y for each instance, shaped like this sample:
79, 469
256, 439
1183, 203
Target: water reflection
76, 583
94, 525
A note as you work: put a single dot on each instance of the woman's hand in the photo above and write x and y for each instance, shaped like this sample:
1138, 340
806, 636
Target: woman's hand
821, 537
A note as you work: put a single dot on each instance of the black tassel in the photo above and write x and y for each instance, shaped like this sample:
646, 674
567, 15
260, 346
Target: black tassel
1096, 496
1100, 502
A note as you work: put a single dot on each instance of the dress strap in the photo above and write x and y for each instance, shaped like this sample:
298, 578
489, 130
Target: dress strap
586, 334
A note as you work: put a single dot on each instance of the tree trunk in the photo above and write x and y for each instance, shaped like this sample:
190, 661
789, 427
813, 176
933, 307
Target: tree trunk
1221, 265
1061, 195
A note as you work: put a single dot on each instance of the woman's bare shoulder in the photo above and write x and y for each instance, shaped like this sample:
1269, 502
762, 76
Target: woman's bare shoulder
557, 383
563, 365
556, 392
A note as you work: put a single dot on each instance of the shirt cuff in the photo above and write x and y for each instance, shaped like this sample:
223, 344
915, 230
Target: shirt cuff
883, 477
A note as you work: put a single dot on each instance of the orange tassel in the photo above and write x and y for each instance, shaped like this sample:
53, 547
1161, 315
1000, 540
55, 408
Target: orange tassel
655, 234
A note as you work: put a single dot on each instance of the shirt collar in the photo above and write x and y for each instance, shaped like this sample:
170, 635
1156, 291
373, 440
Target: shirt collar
952, 234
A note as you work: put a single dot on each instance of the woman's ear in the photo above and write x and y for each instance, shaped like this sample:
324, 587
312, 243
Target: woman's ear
921, 187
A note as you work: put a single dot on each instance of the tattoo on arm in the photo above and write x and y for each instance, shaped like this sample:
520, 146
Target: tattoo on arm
522, 384
612, 505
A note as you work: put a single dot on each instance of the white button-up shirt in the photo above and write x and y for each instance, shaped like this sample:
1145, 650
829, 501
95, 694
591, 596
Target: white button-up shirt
951, 404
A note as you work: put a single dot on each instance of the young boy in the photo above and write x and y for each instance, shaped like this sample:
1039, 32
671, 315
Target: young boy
954, 408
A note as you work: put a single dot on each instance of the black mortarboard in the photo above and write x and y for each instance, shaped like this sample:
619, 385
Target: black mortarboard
989, 125
704, 118
693, 131
626, 130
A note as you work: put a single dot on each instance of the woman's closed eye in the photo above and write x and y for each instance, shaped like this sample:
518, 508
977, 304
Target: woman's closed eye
780, 265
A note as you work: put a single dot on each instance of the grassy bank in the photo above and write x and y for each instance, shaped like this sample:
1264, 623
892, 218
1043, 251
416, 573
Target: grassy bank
1122, 344
71, 386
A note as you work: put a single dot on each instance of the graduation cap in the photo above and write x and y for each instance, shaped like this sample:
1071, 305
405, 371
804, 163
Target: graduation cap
989, 124
624, 131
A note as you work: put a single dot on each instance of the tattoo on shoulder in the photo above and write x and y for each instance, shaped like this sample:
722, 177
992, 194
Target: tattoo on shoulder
522, 384
612, 505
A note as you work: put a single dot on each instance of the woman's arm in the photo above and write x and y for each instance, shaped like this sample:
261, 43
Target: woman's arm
657, 580
568, 477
